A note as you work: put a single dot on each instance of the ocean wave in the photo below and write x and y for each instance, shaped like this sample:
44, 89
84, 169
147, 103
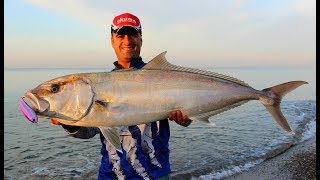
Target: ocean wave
241, 139
302, 118
229, 171
310, 132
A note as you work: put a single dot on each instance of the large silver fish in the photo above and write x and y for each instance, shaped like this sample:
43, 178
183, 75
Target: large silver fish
132, 97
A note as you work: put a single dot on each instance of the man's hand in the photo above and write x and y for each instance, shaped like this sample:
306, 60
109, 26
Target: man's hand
180, 118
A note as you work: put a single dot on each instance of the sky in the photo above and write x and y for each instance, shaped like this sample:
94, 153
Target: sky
216, 33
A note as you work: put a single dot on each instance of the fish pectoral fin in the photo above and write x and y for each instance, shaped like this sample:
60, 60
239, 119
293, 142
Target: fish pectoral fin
113, 136
111, 106
102, 103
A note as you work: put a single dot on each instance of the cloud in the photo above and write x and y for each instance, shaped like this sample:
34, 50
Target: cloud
223, 31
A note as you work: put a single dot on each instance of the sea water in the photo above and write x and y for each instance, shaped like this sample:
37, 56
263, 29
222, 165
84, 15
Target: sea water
234, 140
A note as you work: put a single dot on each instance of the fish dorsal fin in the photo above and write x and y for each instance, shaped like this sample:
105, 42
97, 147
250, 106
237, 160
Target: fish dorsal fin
113, 136
160, 63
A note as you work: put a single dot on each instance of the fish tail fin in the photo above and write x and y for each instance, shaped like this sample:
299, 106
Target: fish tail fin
276, 93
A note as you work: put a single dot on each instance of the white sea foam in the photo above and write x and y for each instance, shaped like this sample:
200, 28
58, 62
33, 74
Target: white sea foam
42, 171
229, 171
310, 131
76, 171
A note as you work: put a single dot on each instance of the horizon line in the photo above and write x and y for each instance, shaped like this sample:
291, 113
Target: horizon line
198, 66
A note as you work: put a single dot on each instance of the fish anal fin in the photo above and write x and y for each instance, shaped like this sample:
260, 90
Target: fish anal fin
201, 119
204, 117
113, 136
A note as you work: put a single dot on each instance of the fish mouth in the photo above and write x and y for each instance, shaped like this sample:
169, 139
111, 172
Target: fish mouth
33, 107
38, 105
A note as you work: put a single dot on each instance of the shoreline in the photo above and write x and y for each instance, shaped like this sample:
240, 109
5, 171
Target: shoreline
298, 162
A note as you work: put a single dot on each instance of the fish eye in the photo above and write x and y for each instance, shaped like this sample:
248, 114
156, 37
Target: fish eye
55, 88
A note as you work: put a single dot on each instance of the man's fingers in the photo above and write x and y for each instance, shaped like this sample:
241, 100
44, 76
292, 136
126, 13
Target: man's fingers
174, 116
185, 118
179, 117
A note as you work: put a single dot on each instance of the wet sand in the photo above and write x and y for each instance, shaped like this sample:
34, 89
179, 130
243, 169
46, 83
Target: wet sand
298, 162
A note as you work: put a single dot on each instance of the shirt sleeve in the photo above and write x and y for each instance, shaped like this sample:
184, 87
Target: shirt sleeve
81, 132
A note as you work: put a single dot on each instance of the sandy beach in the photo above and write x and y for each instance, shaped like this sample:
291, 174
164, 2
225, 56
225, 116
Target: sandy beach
298, 162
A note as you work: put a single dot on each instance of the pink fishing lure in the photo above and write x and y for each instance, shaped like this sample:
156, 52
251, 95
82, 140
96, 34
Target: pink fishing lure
27, 111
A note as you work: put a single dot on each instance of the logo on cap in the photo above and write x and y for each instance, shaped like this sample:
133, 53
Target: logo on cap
126, 19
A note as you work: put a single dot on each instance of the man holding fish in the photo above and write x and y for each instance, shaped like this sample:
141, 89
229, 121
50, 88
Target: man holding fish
145, 148
130, 106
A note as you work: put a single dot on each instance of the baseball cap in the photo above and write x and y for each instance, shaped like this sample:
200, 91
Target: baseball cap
125, 19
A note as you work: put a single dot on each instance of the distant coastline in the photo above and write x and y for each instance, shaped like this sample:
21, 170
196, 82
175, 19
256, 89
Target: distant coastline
201, 67
62, 68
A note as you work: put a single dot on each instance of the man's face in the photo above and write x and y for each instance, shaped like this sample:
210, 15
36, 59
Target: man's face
126, 43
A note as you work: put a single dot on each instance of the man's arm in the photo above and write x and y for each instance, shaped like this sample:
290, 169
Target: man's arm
78, 132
